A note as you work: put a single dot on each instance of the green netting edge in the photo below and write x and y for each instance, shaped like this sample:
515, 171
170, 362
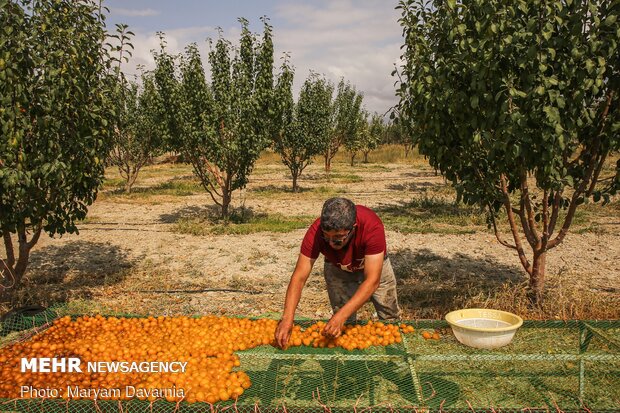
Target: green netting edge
166, 407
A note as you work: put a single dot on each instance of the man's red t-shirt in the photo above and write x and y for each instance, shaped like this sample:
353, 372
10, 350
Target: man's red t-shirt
369, 239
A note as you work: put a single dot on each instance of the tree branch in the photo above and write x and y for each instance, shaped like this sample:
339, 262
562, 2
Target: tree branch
601, 161
545, 217
35, 236
497, 234
197, 163
529, 228
216, 173
597, 172
521, 212
573, 204
586, 180
513, 226
555, 211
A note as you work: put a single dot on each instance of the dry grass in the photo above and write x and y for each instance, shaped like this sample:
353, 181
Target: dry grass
431, 285
387, 154
241, 224
383, 155
561, 302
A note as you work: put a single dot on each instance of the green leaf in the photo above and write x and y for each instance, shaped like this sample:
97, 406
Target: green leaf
610, 20
473, 101
561, 102
552, 113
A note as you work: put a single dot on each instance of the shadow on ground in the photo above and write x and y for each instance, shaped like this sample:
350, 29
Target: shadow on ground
429, 285
429, 208
182, 185
71, 271
421, 174
212, 214
285, 189
414, 186
208, 212
431, 215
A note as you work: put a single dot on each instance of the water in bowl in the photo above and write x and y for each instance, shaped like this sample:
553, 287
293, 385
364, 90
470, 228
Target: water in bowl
483, 323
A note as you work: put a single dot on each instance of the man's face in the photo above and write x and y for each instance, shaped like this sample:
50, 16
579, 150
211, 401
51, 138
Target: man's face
338, 238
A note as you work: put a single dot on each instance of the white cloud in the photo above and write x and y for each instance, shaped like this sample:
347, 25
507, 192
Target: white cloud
175, 42
135, 12
357, 40
330, 14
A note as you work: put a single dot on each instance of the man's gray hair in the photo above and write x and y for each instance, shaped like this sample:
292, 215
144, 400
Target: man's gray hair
337, 214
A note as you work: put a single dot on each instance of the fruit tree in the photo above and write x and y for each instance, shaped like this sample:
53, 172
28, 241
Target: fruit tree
222, 127
516, 103
56, 116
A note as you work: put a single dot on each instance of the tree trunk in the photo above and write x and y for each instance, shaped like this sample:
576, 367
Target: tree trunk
12, 270
366, 157
226, 198
295, 187
537, 278
131, 180
407, 149
128, 186
328, 165
353, 159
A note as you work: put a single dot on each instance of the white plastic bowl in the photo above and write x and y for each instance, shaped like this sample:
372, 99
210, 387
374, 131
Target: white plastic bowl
483, 328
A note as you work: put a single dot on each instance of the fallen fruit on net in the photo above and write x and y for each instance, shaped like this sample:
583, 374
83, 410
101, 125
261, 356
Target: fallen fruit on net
206, 344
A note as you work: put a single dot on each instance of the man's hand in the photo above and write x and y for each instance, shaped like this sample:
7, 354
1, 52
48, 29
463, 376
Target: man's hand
293, 293
334, 327
283, 333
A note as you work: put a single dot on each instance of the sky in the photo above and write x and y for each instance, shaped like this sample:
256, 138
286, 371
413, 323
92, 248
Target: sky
359, 40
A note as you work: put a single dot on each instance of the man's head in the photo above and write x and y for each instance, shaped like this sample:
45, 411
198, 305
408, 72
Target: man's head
338, 221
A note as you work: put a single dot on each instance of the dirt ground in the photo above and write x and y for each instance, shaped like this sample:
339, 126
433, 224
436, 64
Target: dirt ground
127, 258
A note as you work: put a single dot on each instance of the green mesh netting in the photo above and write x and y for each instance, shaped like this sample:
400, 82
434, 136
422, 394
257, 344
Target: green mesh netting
550, 366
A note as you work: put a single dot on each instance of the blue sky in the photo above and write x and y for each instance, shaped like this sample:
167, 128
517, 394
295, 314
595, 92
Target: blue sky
356, 39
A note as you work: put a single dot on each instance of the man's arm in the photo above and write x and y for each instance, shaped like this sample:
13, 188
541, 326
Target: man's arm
293, 294
373, 265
